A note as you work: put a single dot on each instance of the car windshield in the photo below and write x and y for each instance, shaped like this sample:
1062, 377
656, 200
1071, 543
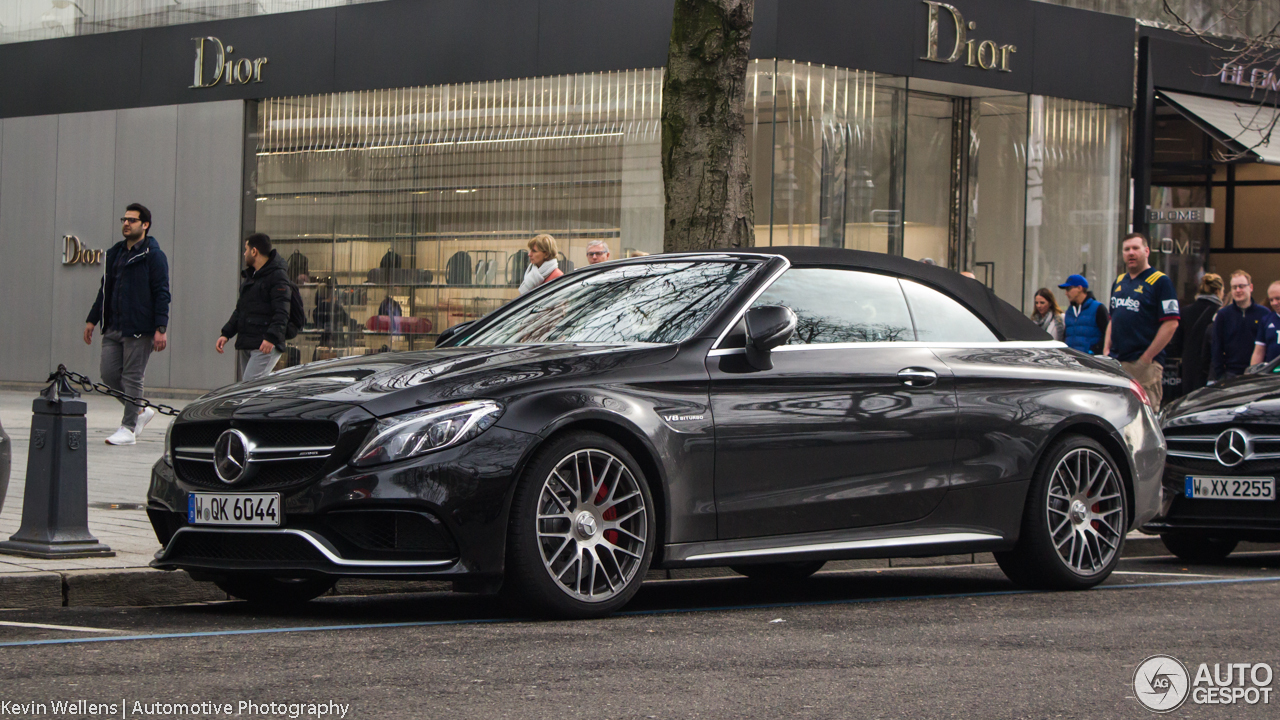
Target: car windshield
657, 302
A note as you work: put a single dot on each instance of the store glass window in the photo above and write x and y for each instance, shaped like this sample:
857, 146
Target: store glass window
826, 155
404, 212
1077, 193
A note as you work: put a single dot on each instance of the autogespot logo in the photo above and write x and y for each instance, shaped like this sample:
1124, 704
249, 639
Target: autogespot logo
1161, 683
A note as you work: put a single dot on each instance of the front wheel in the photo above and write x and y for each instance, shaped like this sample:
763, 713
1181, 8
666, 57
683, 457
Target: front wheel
275, 592
1198, 547
582, 529
1075, 520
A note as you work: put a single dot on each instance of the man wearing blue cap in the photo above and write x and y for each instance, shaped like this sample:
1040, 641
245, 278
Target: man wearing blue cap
1086, 319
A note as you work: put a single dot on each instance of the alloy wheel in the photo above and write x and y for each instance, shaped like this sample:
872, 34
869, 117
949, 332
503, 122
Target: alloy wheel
592, 525
1086, 511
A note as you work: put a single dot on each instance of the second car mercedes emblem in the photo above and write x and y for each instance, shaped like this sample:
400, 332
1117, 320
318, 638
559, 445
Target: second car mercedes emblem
1231, 447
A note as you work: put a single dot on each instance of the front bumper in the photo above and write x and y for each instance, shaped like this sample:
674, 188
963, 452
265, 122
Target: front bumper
443, 514
1252, 520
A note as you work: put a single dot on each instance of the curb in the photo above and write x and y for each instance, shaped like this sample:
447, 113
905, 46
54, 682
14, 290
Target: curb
146, 587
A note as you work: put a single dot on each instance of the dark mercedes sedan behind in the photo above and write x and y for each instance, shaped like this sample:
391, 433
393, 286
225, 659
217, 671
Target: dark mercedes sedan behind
767, 411
1224, 457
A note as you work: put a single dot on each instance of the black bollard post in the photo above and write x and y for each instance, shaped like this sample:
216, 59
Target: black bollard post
55, 504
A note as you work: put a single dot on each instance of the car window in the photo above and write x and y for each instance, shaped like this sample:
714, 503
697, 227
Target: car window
659, 302
938, 318
841, 306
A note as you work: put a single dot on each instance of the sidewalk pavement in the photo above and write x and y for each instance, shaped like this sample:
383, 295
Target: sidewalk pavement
118, 480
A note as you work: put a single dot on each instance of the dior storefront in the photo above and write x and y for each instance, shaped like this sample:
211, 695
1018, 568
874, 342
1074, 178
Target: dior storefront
401, 153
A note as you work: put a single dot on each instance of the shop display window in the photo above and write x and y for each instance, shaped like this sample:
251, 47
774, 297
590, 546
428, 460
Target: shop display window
405, 212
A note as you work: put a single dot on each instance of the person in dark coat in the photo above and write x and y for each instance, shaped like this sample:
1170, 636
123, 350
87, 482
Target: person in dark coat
261, 317
1192, 337
133, 307
1235, 329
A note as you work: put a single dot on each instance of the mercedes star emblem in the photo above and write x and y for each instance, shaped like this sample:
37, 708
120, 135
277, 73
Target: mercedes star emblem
231, 456
1231, 447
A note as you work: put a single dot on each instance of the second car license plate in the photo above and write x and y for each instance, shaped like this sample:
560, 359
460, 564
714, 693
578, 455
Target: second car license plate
1231, 488
233, 509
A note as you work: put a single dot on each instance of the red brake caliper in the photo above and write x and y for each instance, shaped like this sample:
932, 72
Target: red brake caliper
610, 514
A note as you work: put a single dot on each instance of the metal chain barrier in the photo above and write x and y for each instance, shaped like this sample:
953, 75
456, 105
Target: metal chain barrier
88, 385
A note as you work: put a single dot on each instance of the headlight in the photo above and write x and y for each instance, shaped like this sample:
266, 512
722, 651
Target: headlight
406, 436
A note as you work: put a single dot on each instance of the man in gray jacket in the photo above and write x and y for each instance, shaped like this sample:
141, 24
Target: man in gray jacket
261, 317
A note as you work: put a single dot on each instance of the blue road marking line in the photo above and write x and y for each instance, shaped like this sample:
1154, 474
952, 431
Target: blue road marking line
632, 613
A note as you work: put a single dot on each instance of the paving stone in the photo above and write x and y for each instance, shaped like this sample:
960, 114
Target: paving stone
22, 590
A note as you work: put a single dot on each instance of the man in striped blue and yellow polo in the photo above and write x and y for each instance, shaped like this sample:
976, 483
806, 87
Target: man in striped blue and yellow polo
1144, 316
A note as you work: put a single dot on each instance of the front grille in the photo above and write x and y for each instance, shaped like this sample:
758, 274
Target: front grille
291, 433
1193, 446
392, 530
269, 475
243, 547
277, 468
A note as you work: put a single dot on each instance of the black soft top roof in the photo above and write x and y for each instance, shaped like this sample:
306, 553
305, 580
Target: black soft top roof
1005, 319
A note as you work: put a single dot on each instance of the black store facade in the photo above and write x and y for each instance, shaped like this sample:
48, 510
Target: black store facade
1210, 181
401, 153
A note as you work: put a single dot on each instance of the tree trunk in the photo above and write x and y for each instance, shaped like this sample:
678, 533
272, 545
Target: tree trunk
706, 176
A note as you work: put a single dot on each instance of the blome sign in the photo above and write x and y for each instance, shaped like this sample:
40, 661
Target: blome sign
1162, 684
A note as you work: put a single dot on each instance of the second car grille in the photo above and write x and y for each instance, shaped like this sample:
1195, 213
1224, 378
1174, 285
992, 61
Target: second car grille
285, 453
1194, 446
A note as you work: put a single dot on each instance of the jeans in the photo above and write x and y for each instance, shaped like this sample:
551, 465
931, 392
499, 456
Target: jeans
124, 368
255, 363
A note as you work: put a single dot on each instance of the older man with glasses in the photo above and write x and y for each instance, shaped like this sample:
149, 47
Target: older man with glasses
597, 252
133, 307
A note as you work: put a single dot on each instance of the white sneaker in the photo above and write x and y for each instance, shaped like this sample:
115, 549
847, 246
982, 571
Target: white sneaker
123, 436
144, 417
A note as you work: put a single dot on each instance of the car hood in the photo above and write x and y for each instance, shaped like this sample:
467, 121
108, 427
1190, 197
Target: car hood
1249, 398
392, 382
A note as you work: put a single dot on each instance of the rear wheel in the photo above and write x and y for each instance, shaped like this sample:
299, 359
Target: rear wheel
1075, 520
1198, 547
275, 592
582, 529
783, 572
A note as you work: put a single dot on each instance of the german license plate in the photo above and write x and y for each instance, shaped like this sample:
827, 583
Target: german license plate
233, 509
1231, 488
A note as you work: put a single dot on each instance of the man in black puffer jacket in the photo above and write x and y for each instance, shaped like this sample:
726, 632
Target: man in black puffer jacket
261, 317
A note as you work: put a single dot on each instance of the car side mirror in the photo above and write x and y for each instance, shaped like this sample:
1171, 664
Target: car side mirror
768, 327
450, 333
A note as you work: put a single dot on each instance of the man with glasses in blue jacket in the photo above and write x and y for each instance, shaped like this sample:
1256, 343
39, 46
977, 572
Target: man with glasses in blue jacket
133, 307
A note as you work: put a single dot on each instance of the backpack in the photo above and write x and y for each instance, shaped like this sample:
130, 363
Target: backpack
297, 313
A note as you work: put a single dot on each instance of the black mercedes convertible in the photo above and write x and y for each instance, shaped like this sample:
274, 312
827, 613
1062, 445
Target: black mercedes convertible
767, 411
1220, 478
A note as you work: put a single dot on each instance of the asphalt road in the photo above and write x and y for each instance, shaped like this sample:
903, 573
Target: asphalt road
937, 642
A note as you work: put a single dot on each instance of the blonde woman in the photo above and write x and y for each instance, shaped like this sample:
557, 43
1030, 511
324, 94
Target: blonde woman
543, 266
1048, 315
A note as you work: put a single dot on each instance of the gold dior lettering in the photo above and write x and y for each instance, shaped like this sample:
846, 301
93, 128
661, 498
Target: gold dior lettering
225, 69
985, 54
75, 253
1257, 78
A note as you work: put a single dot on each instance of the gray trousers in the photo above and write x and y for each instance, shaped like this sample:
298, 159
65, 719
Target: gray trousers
124, 368
255, 363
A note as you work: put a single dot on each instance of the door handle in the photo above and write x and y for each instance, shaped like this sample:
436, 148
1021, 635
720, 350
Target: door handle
917, 377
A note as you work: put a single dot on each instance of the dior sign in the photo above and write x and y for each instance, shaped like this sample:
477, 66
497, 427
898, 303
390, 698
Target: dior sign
75, 253
985, 54
217, 66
